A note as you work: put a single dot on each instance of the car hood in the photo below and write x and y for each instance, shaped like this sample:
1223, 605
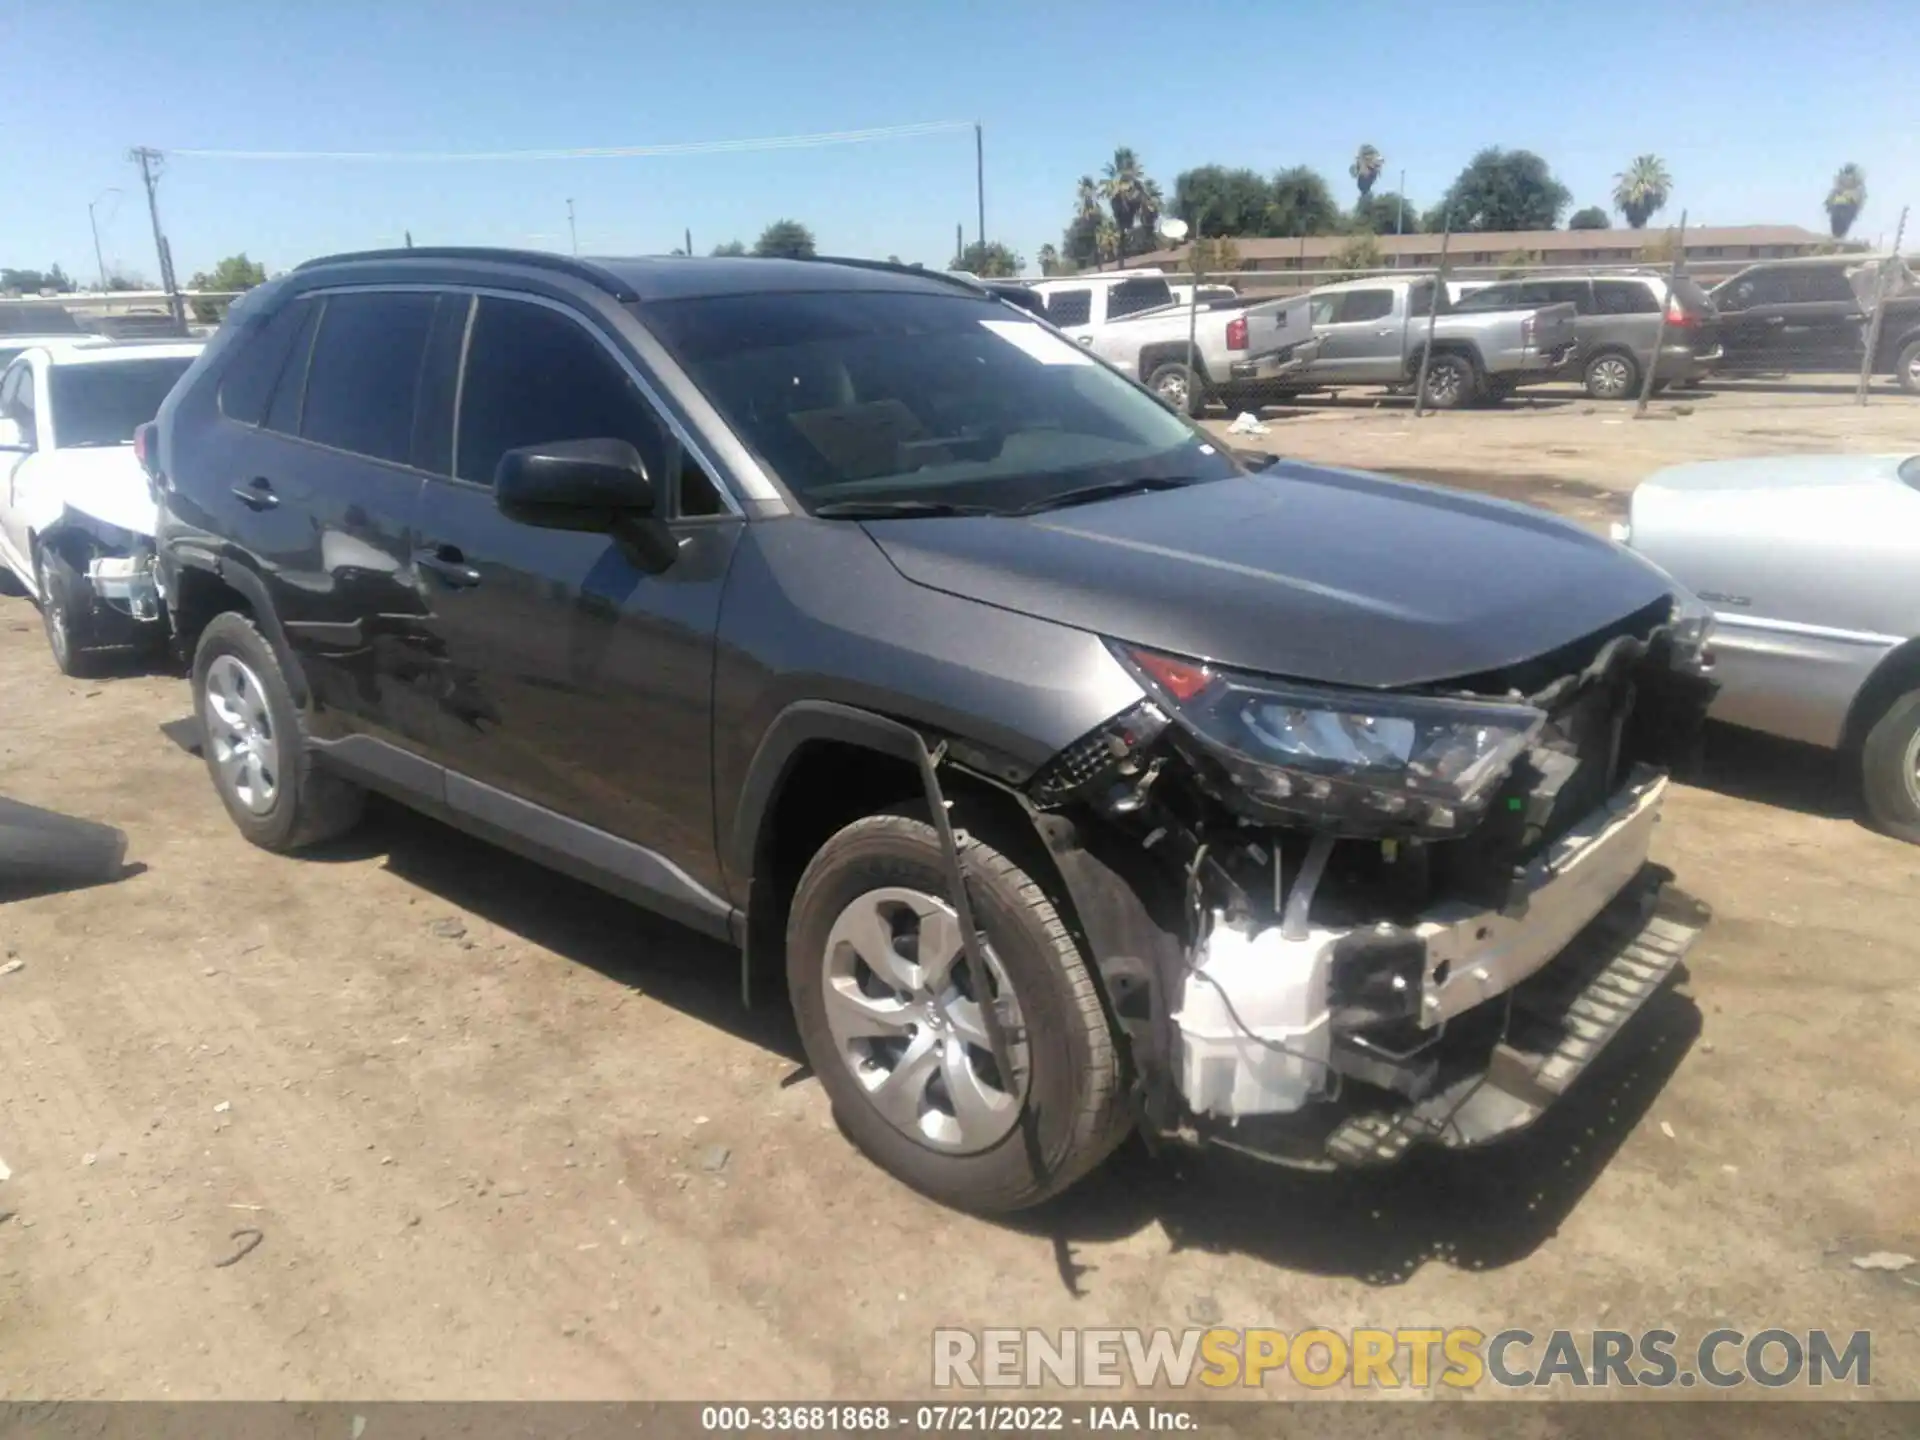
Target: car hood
106, 483
1328, 575
1777, 473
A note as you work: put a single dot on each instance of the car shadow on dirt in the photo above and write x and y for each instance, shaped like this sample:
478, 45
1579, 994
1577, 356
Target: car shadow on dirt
1786, 774
1474, 1210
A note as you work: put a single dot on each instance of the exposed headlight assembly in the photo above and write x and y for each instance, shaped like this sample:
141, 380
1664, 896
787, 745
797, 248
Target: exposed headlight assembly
1358, 762
1691, 627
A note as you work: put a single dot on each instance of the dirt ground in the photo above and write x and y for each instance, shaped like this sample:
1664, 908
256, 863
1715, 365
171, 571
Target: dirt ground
502, 1136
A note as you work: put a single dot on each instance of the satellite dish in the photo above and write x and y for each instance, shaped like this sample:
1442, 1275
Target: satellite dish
1173, 228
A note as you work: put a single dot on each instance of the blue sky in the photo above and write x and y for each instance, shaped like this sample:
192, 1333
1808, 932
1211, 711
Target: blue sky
1753, 105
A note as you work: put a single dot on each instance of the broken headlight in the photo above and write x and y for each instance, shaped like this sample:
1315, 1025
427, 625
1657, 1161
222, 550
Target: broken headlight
1356, 762
1691, 628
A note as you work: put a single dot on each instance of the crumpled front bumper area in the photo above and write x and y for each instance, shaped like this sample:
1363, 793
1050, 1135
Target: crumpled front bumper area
1502, 1009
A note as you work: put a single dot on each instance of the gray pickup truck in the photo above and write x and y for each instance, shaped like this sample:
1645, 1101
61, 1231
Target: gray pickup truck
1372, 332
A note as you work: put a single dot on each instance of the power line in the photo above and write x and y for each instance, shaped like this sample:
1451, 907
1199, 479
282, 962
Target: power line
618, 152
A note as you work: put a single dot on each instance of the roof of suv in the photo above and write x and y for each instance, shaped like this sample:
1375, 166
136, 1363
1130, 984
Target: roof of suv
677, 277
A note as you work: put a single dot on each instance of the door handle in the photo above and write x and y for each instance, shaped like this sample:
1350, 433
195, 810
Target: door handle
1086, 340
1386, 332
257, 494
449, 564
1776, 319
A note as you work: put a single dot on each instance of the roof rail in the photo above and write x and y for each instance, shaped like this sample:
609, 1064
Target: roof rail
900, 267
587, 270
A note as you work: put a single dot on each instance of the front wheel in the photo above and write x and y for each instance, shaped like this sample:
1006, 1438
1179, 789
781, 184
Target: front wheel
1890, 769
892, 1024
63, 615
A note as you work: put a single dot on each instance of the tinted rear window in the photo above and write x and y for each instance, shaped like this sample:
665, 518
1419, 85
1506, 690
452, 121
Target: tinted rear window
253, 371
101, 404
1130, 297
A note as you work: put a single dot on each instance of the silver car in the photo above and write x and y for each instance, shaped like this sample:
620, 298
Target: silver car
1812, 566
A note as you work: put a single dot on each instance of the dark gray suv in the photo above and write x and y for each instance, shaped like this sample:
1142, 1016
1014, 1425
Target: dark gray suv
1079, 774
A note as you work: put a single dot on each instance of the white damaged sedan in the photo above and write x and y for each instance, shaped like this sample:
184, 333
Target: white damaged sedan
1812, 566
77, 514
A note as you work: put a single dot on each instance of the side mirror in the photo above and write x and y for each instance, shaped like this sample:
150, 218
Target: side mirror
590, 485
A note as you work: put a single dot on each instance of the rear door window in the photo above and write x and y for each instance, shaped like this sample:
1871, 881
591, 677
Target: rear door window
1577, 293
1494, 297
1625, 297
1130, 297
283, 411
255, 368
1357, 306
1821, 285
365, 373
1070, 307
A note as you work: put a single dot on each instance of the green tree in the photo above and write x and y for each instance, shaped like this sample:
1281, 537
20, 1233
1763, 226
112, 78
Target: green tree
120, 280
58, 280
1845, 198
1386, 214
991, 260
1217, 201
785, 239
1515, 263
732, 247
1361, 252
1302, 204
1662, 249
1123, 186
1366, 169
1049, 260
1213, 255
1591, 218
1106, 242
1640, 191
1504, 190
1081, 242
236, 272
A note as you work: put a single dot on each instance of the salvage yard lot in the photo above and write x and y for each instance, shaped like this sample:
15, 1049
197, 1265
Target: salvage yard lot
504, 1136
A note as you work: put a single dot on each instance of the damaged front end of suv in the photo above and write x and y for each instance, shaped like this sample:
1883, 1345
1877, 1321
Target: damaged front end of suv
1383, 917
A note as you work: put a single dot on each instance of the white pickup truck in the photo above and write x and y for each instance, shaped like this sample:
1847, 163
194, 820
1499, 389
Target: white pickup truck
1133, 320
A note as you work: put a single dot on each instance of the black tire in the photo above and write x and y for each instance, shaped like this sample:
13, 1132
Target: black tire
1612, 375
309, 805
1906, 368
1890, 769
1453, 381
63, 615
1174, 384
1496, 392
1075, 1109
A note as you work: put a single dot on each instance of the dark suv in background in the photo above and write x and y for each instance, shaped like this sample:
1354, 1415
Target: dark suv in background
1617, 319
1082, 775
1811, 315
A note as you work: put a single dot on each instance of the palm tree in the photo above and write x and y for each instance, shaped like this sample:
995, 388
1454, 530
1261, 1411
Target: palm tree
1049, 259
1123, 188
1844, 200
1152, 206
1641, 189
1086, 200
1106, 240
1366, 167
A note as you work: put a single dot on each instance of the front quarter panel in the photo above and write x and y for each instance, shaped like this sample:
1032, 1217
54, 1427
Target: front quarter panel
814, 611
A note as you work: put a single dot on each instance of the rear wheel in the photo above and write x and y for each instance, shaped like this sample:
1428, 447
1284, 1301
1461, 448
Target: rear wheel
1612, 376
1907, 368
1890, 769
1452, 381
1174, 384
256, 745
893, 1027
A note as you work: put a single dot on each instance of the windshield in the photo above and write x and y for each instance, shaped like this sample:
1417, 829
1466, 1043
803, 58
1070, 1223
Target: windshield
877, 396
102, 403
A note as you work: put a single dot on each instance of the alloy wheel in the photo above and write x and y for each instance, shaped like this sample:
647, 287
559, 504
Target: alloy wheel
1610, 377
908, 1027
1173, 389
53, 614
239, 730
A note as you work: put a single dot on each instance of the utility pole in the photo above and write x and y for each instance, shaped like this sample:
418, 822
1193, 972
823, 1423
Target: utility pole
1887, 267
1400, 216
959, 243
1438, 299
572, 234
980, 182
1660, 330
687, 235
98, 258
149, 161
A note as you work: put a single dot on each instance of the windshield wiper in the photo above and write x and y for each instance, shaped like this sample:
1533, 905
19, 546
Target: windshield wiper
896, 509
1105, 490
